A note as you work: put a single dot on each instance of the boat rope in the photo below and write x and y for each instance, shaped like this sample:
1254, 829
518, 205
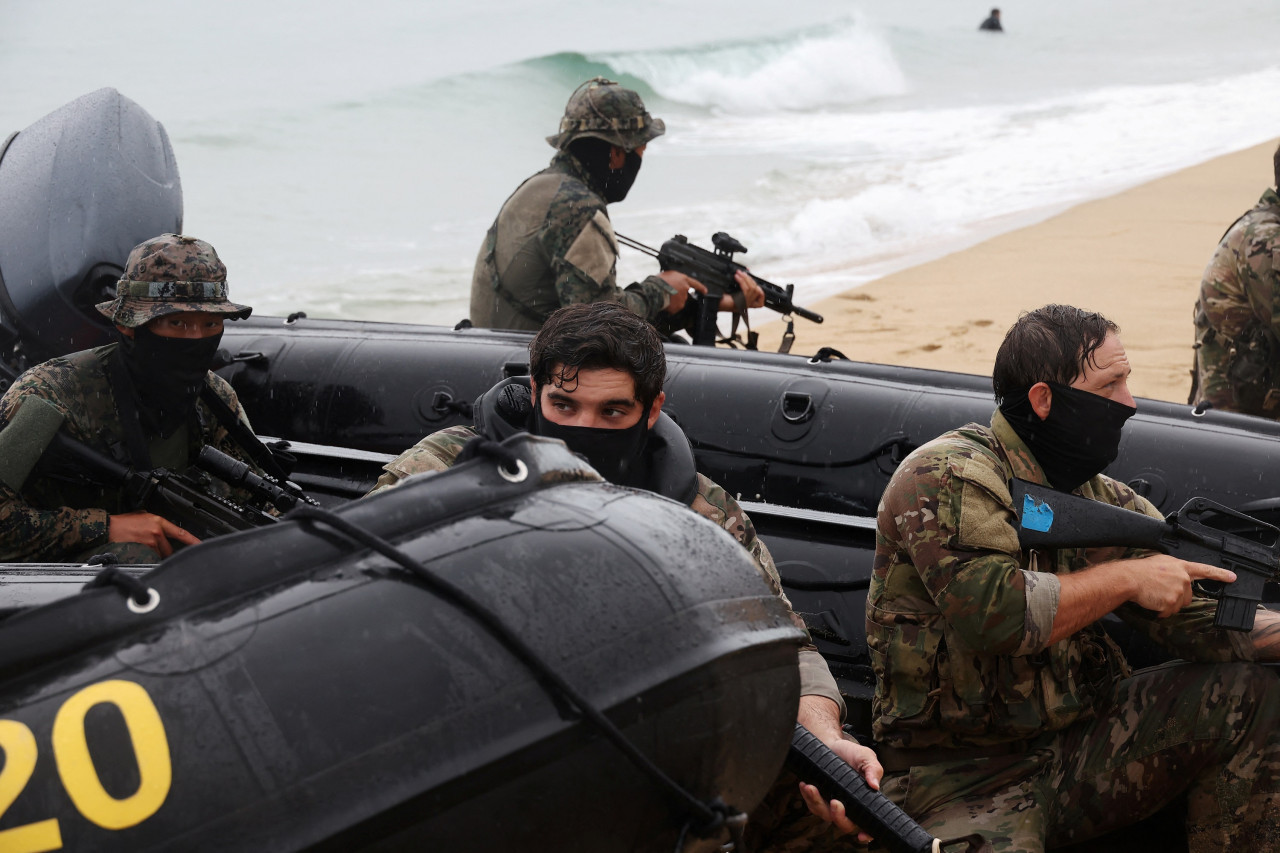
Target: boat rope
113, 575
710, 816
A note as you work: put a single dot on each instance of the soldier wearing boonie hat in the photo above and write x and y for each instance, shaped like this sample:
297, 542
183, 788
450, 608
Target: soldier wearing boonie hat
169, 274
552, 243
148, 401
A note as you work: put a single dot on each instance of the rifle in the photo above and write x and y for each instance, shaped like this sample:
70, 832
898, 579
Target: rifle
715, 270
1048, 518
873, 812
181, 499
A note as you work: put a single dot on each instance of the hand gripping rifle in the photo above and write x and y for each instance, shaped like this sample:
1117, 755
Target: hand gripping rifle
715, 270
179, 498
1048, 518
874, 813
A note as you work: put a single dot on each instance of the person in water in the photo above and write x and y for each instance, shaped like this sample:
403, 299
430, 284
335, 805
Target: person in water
992, 23
595, 380
552, 243
1001, 704
1237, 319
146, 401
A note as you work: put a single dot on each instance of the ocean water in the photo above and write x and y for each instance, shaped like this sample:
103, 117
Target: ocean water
346, 159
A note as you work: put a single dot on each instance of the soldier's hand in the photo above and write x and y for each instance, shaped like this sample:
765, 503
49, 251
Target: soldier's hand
683, 285
863, 760
1163, 583
752, 291
147, 529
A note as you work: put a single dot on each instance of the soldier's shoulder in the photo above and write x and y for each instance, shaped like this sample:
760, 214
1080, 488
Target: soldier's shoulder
950, 451
434, 453
65, 381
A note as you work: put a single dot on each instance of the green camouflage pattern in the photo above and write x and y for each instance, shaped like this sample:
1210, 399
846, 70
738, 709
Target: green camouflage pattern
439, 451
1237, 317
605, 110
552, 245
167, 275
958, 616
58, 515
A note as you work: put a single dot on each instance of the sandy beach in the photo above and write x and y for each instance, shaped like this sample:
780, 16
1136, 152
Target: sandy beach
1137, 257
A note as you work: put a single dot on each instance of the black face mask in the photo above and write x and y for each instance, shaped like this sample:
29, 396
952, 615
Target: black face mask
167, 375
616, 454
617, 182
1079, 438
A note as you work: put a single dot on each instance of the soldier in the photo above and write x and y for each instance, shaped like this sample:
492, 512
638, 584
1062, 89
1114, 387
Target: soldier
596, 374
147, 401
1001, 705
552, 243
1237, 352
992, 23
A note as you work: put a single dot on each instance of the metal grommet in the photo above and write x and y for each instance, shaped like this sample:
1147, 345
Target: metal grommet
518, 476
153, 601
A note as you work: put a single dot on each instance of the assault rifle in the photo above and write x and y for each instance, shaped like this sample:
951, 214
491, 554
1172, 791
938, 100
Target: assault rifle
715, 270
1051, 519
179, 498
815, 763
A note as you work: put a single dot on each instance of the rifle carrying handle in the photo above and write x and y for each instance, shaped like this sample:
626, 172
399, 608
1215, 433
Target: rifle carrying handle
815, 763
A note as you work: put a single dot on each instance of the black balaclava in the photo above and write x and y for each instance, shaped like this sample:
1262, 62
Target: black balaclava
167, 375
594, 154
1079, 438
617, 454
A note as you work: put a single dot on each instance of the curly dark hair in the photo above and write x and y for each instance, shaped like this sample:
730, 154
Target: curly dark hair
598, 335
1049, 344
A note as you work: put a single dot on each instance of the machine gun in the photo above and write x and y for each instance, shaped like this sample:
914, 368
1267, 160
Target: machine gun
815, 763
716, 271
179, 498
1051, 519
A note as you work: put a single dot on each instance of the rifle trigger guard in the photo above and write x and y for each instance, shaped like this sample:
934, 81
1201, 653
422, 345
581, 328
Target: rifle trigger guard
152, 602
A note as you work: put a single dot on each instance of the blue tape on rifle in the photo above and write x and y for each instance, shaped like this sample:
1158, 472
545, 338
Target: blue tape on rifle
1036, 515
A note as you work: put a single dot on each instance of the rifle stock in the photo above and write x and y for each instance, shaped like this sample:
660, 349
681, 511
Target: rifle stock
1049, 519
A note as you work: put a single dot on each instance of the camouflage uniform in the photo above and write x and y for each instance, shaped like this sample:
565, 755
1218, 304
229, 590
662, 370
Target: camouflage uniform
552, 243
1237, 317
56, 513
437, 452
985, 727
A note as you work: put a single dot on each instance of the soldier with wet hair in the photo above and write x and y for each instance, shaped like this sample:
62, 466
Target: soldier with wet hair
147, 401
596, 375
1001, 704
552, 243
1237, 317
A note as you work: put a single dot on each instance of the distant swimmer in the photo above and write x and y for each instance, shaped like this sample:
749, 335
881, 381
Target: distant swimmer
552, 243
992, 22
1237, 349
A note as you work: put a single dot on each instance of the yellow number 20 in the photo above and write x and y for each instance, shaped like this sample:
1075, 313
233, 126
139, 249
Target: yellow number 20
76, 769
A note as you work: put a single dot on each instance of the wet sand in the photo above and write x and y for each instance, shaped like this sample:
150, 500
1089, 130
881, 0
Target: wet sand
1137, 257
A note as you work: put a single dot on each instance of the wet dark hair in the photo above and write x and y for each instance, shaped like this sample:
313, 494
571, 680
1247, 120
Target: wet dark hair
594, 336
1275, 166
1049, 344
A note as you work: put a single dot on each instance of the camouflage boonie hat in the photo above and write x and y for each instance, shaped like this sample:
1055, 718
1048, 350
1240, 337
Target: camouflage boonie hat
167, 275
608, 111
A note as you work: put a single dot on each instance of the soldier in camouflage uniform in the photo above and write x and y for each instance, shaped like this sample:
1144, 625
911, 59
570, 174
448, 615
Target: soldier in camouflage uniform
597, 373
148, 401
553, 244
1001, 706
1237, 318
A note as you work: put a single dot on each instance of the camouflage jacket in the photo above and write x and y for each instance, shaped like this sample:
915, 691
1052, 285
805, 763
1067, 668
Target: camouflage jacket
553, 245
438, 452
958, 616
56, 513
1238, 317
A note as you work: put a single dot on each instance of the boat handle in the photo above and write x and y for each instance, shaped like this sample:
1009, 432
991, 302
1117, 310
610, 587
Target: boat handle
797, 407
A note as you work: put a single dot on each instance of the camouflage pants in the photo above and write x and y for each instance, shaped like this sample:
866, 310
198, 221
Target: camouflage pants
130, 553
1209, 730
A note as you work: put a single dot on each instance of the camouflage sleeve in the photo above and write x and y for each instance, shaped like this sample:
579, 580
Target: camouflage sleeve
28, 534
716, 504
947, 510
584, 254
436, 452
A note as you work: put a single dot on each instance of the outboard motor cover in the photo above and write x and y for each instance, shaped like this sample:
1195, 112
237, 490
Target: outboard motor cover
78, 190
